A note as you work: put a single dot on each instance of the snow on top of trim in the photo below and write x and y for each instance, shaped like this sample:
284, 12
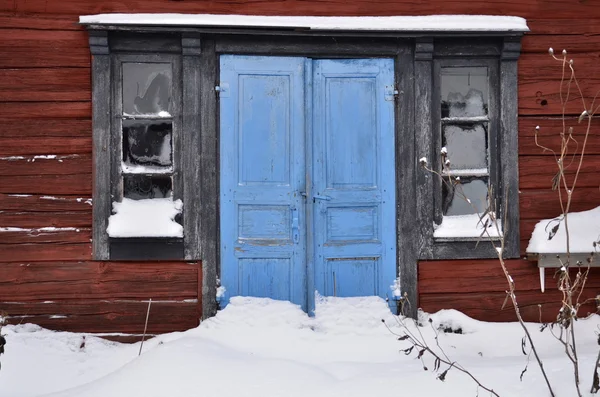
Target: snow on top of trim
584, 230
432, 23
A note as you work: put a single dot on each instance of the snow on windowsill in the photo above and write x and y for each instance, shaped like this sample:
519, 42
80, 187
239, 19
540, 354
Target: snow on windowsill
144, 169
464, 227
431, 23
584, 229
145, 218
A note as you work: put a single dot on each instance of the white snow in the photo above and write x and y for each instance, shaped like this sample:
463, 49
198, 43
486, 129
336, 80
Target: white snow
145, 218
584, 229
463, 23
263, 348
145, 169
465, 226
161, 114
40, 229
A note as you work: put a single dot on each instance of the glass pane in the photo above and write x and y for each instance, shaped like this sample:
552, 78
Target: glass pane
475, 189
464, 92
147, 143
147, 88
467, 147
138, 187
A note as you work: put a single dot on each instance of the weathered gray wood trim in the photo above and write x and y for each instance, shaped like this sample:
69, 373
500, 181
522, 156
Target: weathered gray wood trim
423, 131
145, 43
209, 195
296, 32
101, 153
509, 145
406, 165
300, 46
458, 249
191, 149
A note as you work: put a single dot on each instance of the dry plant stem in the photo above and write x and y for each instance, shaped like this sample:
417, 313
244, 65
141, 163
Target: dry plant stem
422, 345
596, 365
145, 327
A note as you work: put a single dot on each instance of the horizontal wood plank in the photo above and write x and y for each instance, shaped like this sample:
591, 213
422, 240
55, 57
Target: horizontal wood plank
549, 135
80, 184
58, 165
542, 97
28, 127
49, 252
534, 306
544, 203
37, 236
56, 39
106, 316
543, 67
43, 57
537, 172
461, 276
27, 146
531, 8
39, 22
35, 203
41, 281
31, 219
45, 84
44, 110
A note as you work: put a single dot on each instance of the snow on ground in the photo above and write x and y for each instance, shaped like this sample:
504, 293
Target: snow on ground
263, 348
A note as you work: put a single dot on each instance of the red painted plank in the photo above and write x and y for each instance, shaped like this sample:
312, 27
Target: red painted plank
42, 165
44, 110
45, 84
30, 203
49, 252
46, 219
105, 316
549, 135
37, 236
26, 127
40, 281
544, 203
537, 172
80, 184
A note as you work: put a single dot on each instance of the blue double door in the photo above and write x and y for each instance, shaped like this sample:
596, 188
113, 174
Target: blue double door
307, 178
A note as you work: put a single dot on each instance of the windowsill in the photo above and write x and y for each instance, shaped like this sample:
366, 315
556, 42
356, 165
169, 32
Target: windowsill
146, 248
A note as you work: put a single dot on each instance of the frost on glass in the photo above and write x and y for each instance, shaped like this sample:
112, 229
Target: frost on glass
147, 89
476, 190
467, 147
464, 92
140, 187
147, 143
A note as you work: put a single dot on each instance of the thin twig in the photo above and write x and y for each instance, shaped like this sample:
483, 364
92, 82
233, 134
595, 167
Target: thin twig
145, 326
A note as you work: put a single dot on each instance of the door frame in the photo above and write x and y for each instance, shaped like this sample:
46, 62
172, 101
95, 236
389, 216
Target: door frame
327, 46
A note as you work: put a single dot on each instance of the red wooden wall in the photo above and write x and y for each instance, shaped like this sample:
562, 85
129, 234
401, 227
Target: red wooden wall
45, 110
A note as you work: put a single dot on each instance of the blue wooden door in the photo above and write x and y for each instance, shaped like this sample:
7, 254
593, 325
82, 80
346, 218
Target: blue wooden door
263, 172
354, 179
307, 177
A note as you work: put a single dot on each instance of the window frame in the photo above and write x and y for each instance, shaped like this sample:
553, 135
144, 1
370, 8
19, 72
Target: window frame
500, 57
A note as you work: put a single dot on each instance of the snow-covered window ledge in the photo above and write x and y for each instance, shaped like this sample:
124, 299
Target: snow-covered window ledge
548, 242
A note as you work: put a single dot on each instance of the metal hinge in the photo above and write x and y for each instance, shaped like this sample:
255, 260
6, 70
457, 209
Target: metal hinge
390, 92
223, 90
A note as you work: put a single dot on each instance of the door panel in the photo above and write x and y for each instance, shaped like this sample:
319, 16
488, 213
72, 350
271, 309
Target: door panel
262, 172
271, 106
353, 182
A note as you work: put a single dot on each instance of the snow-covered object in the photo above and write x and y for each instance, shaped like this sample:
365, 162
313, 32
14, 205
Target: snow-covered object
264, 348
584, 229
145, 218
466, 226
431, 23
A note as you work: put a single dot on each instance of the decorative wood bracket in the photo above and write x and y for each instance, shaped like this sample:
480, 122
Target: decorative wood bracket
98, 42
511, 48
191, 44
424, 49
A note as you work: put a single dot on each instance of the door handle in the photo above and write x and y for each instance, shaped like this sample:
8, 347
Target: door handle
318, 197
295, 225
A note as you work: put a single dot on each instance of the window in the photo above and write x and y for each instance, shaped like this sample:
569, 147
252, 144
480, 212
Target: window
472, 149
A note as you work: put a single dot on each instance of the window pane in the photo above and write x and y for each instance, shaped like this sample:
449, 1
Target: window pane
138, 187
147, 88
147, 143
464, 92
475, 189
467, 147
